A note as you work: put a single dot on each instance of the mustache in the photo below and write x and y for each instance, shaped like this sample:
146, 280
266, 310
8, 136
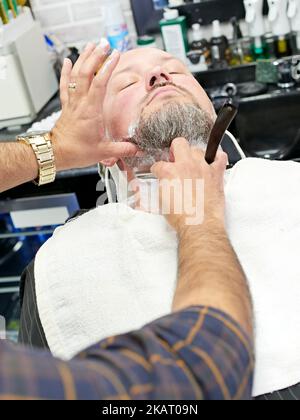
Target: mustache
147, 98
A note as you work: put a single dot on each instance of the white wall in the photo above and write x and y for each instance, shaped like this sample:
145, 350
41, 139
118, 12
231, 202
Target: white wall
76, 22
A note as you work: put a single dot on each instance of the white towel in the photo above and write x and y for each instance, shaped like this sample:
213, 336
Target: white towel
110, 271
263, 210
114, 269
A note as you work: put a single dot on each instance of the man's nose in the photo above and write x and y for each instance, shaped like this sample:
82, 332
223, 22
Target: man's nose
157, 76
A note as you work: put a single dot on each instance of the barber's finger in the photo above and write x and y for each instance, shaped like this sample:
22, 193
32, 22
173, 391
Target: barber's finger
180, 150
221, 161
198, 153
109, 162
90, 47
98, 87
117, 150
64, 81
89, 68
162, 170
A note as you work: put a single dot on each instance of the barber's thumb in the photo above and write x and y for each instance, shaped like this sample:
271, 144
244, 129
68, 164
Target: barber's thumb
120, 150
159, 169
109, 162
221, 160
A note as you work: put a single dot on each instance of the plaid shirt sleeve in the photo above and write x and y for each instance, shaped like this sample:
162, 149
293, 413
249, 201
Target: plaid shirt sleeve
199, 353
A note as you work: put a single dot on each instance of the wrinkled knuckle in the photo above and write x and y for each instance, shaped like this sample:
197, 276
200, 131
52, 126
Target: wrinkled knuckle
166, 171
84, 73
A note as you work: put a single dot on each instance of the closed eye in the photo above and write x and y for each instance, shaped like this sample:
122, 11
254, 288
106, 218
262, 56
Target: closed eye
130, 84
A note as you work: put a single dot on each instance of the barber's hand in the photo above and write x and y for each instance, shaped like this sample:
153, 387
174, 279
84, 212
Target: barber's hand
189, 163
79, 135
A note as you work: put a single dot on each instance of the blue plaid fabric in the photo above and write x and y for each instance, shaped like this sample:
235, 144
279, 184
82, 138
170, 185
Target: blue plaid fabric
196, 354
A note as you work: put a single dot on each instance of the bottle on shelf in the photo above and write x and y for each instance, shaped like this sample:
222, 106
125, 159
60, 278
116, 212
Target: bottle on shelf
256, 25
219, 46
281, 29
4, 13
199, 43
240, 47
198, 40
270, 45
116, 27
247, 50
259, 48
283, 46
160, 4
13, 6
146, 42
294, 16
175, 34
199, 53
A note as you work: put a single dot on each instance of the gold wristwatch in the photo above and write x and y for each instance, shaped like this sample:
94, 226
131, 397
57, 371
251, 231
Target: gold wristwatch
43, 149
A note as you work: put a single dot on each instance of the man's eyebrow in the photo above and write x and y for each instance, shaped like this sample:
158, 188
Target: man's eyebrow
131, 68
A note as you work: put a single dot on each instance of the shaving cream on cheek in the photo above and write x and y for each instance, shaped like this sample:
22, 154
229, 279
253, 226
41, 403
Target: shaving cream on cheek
132, 129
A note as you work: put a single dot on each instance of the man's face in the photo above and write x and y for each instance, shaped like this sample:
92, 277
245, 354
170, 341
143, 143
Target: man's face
143, 82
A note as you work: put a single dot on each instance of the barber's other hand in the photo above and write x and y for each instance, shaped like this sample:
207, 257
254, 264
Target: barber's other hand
188, 163
79, 135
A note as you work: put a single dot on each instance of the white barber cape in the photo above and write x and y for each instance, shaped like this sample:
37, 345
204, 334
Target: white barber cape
114, 269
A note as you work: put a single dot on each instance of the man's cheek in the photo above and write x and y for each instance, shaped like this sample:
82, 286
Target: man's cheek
120, 122
128, 113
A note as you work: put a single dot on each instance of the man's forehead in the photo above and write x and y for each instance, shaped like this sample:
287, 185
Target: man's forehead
141, 56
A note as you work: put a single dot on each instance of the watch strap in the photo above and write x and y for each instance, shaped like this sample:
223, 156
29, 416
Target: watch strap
43, 149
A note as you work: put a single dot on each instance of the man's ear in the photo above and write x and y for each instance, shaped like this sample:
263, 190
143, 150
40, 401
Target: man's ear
109, 162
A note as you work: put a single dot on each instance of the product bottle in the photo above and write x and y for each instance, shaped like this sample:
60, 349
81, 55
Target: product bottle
174, 32
259, 48
160, 4
280, 24
116, 28
198, 43
256, 25
146, 42
219, 46
247, 50
3, 16
270, 45
294, 16
4, 12
12, 4
283, 46
236, 49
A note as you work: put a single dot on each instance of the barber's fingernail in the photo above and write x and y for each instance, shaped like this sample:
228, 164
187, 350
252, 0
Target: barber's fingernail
109, 61
113, 54
104, 43
103, 48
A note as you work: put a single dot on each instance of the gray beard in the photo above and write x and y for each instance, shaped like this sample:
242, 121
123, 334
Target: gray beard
155, 133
